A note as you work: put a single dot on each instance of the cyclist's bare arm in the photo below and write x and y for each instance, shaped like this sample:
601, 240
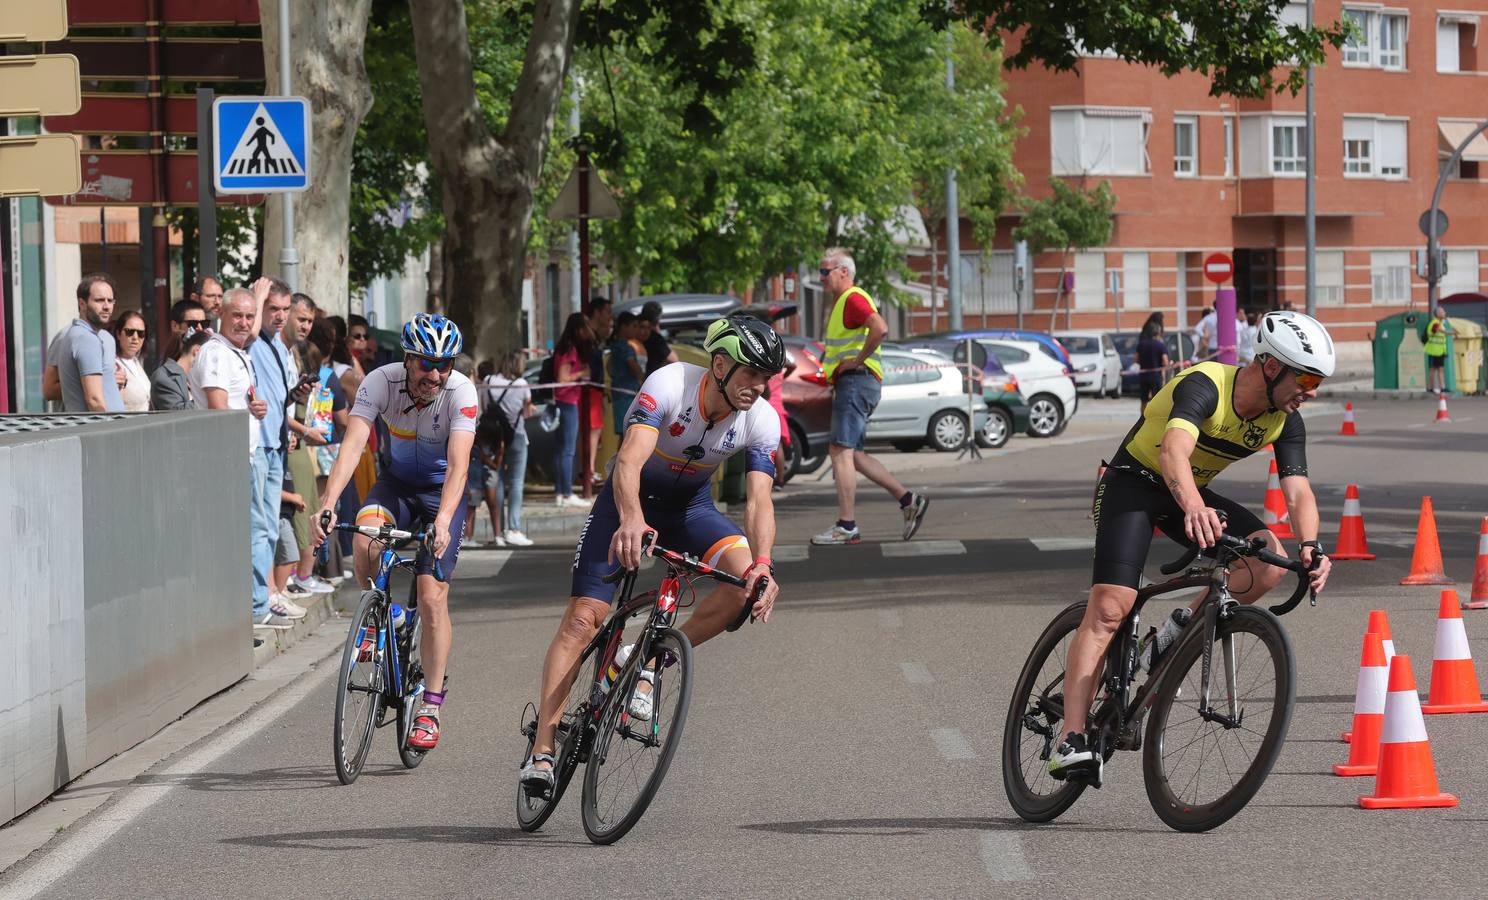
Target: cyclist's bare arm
357, 429
639, 443
457, 453
1200, 523
1302, 505
759, 527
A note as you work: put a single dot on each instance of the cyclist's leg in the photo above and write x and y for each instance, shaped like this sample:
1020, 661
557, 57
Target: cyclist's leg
1123, 535
712, 537
588, 605
433, 596
1250, 579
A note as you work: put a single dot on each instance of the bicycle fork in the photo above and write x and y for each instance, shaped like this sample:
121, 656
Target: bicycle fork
1233, 716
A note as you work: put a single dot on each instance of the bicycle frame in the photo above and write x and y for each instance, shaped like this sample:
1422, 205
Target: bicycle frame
388, 562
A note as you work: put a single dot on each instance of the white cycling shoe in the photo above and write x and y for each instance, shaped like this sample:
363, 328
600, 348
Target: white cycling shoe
641, 702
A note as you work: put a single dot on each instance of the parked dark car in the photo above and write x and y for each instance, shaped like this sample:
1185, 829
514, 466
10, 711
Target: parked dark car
1007, 409
685, 312
1126, 345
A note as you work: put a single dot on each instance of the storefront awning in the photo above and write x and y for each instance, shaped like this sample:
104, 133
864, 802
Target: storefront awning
1455, 132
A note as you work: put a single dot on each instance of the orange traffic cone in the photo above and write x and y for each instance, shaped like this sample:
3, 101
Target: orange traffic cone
1348, 428
1379, 623
1426, 561
1454, 682
1352, 544
1275, 515
1406, 778
1478, 598
1441, 409
1369, 709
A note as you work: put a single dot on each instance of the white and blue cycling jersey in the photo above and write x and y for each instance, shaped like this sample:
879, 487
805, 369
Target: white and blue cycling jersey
419, 449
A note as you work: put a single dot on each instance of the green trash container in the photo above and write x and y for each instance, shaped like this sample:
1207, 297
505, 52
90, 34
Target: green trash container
1388, 335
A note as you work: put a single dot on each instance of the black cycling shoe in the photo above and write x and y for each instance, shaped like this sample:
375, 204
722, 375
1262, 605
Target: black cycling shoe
1075, 757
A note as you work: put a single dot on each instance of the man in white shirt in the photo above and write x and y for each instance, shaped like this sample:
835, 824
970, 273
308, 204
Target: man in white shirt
1206, 335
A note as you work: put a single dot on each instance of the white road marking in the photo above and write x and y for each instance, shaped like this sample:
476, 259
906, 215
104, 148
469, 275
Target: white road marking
486, 562
1420, 425
923, 548
1002, 855
916, 673
1063, 543
889, 618
952, 744
793, 553
62, 859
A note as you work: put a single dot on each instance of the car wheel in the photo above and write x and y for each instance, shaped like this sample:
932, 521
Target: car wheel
998, 429
947, 430
1045, 415
1116, 391
909, 446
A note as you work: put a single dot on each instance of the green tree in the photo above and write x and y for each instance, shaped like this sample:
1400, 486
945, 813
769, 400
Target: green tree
1069, 220
1241, 45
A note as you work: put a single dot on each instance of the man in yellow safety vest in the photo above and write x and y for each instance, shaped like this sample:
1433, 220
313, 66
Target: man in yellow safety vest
852, 366
1436, 351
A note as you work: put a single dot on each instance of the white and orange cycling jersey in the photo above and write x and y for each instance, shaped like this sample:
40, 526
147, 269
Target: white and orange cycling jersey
419, 449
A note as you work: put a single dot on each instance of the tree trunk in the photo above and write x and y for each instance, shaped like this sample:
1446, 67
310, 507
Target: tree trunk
1059, 291
488, 183
327, 41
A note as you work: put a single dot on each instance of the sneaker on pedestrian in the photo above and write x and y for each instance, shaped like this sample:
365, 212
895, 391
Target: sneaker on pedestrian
838, 535
274, 620
1074, 754
314, 584
573, 501
914, 514
500, 541
467, 544
516, 538
1158, 640
294, 591
285, 609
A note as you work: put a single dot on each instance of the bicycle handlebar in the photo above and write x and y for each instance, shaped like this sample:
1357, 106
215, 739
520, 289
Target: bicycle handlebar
696, 567
386, 534
1257, 549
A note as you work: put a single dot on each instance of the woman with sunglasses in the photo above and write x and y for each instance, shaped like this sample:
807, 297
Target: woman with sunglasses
130, 332
430, 412
1203, 420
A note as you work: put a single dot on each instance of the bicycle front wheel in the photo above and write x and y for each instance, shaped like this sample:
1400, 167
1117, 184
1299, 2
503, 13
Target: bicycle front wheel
1203, 764
630, 756
359, 688
1034, 725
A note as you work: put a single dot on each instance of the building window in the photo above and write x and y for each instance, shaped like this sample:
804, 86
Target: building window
1378, 39
1391, 49
1185, 146
1135, 280
1229, 146
1358, 146
1462, 273
1457, 42
1374, 147
1389, 276
1090, 280
1390, 138
1328, 278
1288, 148
1097, 141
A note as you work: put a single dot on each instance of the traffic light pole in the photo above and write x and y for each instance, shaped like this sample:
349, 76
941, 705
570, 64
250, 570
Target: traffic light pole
1433, 236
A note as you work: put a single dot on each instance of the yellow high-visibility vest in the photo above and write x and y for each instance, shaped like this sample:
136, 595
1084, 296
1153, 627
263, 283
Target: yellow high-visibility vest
1436, 338
846, 343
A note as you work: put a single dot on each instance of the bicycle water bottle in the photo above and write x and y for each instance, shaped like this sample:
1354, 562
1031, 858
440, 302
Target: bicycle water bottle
618, 663
398, 616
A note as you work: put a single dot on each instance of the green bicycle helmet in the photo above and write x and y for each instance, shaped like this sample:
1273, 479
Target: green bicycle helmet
748, 342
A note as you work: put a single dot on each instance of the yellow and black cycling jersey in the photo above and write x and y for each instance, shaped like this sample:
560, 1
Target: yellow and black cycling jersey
1201, 401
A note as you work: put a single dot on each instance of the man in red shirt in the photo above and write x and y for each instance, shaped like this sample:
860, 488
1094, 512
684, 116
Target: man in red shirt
854, 331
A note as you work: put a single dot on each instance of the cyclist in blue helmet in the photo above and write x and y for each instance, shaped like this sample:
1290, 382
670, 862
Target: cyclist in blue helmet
430, 412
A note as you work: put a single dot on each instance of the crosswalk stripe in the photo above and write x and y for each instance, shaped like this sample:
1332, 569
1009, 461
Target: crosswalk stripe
923, 548
1063, 543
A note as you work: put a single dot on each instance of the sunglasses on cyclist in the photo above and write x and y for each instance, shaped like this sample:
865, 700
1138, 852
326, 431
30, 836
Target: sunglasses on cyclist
132, 332
434, 365
1307, 381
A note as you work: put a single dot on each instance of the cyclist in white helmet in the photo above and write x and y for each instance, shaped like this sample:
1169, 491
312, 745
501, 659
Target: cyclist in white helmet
430, 411
1208, 417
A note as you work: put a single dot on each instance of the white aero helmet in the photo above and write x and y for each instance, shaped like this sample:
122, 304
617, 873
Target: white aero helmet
1297, 340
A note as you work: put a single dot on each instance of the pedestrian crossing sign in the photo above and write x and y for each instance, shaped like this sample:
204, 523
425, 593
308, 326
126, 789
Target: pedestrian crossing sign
260, 145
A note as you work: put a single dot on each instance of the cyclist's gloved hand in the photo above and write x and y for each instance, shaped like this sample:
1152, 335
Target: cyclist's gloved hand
626, 545
1320, 570
1203, 526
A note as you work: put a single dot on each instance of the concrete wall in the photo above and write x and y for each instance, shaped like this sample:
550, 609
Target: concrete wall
127, 589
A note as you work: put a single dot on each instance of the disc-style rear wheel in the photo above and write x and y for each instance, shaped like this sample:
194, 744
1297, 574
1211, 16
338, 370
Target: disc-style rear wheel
1202, 765
359, 688
1035, 725
630, 756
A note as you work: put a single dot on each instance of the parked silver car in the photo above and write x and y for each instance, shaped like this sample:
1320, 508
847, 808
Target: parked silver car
923, 403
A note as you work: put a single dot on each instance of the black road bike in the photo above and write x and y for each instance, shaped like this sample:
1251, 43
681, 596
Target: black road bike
1215, 721
625, 758
381, 679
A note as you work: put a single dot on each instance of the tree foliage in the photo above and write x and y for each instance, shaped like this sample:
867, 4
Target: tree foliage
1069, 219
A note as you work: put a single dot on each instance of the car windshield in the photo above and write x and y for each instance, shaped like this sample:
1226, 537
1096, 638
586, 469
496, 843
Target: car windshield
1080, 344
1126, 344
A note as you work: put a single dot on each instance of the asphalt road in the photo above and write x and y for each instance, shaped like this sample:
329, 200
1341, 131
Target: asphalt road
850, 747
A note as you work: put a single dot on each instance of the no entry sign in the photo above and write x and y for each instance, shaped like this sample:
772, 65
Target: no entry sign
1218, 267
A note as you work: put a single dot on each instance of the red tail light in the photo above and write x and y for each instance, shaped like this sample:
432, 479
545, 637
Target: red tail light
815, 378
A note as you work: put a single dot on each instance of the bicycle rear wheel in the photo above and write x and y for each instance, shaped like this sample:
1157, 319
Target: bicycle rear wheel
534, 810
630, 757
359, 689
1201, 772
1034, 725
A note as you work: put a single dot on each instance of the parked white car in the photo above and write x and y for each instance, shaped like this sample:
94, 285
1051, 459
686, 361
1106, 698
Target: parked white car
1097, 364
923, 402
1047, 384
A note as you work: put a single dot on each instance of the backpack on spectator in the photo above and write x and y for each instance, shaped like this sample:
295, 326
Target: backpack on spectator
493, 421
547, 373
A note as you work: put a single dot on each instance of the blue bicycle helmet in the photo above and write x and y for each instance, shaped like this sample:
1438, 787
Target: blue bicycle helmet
432, 336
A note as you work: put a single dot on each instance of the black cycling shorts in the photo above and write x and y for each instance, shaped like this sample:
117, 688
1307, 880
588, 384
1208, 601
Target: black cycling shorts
1128, 506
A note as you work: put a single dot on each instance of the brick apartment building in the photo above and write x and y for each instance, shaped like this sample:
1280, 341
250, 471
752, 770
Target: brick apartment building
1195, 174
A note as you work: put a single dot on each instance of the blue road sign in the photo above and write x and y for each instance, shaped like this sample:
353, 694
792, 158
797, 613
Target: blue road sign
260, 145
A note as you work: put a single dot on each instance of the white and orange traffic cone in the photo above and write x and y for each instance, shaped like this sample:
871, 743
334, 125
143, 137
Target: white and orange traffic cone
1352, 542
1426, 559
1379, 623
1454, 681
1406, 776
1441, 409
1275, 515
1369, 709
1348, 429
1477, 598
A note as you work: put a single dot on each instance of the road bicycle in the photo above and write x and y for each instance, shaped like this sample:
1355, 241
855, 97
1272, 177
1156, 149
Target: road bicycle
1201, 764
381, 679
625, 758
